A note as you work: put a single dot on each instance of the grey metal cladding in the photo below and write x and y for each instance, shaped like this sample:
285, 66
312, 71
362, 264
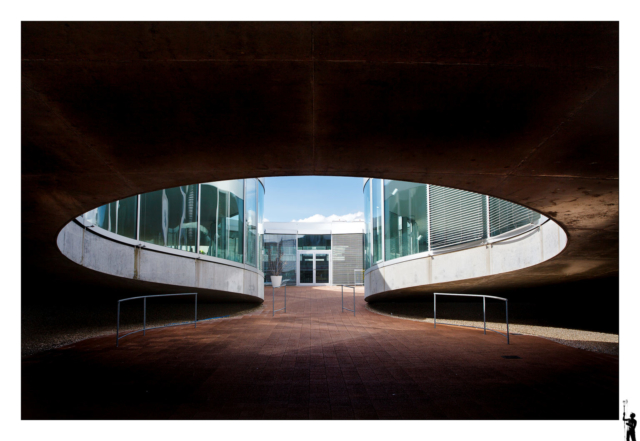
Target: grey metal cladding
347, 256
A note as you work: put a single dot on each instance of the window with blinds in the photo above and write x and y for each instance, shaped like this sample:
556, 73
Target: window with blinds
506, 216
346, 257
457, 216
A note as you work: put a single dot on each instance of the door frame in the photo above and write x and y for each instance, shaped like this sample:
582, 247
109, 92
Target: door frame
314, 252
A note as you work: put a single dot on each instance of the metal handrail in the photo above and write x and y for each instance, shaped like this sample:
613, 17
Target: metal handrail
273, 298
484, 311
354, 299
144, 320
354, 276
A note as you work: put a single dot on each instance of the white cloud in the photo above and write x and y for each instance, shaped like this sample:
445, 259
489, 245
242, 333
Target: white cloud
351, 217
264, 219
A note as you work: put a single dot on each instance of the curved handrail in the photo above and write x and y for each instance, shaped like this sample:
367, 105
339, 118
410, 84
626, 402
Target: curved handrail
354, 298
484, 311
144, 322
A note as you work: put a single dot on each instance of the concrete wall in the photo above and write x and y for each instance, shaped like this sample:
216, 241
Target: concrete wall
522, 251
123, 259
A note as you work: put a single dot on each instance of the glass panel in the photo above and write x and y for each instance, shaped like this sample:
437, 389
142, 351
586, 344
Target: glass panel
223, 217
376, 204
118, 217
457, 216
405, 217
306, 268
208, 219
367, 224
168, 217
252, 222
322, 268
506, 216
223, 226
260, 223
314, 242
284, 247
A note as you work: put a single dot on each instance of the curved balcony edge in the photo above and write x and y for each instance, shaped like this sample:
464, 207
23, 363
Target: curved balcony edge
121, 257
526, 250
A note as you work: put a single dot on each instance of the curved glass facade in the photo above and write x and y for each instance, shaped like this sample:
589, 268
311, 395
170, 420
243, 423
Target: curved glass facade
219, 219
407, 218
222, 220
118, 217
367, 224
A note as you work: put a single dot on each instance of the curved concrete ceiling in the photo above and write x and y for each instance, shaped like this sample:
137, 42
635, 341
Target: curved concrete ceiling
527, 112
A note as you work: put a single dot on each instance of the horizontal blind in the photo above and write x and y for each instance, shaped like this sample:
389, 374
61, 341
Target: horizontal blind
456, 216
347, 256
506, 216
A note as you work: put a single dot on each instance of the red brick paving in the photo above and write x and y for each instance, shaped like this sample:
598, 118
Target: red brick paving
320, 363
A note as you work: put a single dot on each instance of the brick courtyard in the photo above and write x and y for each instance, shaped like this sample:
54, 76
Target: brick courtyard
320, 363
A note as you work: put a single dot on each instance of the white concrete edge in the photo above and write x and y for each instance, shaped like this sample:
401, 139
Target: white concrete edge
528, 249
112, 256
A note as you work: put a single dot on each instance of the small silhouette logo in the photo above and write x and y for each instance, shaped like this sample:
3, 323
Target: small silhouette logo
629, 423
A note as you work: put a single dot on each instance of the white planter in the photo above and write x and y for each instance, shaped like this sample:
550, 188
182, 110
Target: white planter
276, 281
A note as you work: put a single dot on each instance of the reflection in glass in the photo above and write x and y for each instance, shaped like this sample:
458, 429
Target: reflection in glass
118, 217
376, 205
284, 247
405, 216
322, 268
314, 242
169, 217
260, 223
306, 268
367, 225
252, 222
221, 219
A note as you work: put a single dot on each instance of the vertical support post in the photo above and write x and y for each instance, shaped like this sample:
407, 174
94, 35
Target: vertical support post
383, 249
144, 317
434, 309
195, 322
371, 224
199, 195
215, 235
506, 302
118, 325
429, 219
354, 302
138, 221
245, 230
273, 301
484, 313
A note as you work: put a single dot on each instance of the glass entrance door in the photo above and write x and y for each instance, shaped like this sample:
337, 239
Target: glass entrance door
305, 262
314, 268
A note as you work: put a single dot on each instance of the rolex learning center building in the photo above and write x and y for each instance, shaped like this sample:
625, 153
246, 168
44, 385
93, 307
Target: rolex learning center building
487, 154
212, 236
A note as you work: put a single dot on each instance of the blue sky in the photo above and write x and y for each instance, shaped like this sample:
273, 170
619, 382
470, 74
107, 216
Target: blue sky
313, 198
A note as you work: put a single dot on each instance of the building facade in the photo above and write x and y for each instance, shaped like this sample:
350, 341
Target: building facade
314, 253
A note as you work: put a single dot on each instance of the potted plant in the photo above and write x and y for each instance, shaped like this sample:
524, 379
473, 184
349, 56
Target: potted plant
275, 254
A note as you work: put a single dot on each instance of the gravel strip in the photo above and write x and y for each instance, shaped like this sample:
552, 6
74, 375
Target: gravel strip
587, 340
